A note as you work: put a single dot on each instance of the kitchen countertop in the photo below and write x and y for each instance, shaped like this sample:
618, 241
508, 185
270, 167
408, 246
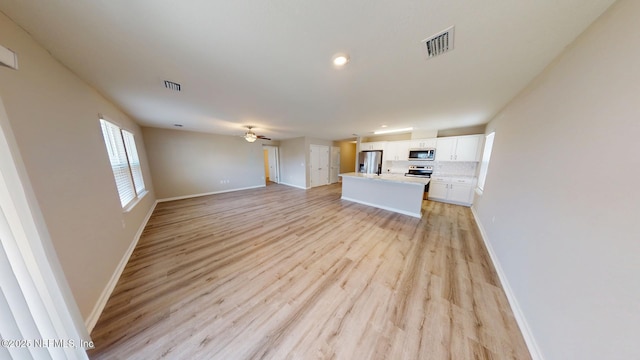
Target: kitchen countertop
389, 178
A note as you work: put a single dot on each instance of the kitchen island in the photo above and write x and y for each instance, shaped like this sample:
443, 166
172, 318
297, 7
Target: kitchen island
398, 193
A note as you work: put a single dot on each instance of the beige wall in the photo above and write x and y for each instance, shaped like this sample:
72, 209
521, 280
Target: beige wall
561, 203
185, 163
293, 162
54, 117
469, 130
347, 156
386, 137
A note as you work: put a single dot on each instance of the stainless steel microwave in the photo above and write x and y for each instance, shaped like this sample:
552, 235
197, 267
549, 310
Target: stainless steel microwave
422, 154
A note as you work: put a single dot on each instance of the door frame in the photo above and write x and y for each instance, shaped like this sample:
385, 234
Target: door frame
44, 303
276, 156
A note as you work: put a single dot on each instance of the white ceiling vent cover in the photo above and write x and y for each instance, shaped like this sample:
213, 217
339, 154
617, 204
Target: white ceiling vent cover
439, 43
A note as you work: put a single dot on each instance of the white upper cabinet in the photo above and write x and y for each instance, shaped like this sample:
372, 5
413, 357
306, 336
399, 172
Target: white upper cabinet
397, 151
423, 144
459, 148
376, 145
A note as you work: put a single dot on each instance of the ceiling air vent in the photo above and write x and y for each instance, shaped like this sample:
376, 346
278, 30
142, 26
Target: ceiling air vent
439, 43
171, 85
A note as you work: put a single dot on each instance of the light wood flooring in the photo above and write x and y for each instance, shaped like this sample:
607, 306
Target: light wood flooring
283, 273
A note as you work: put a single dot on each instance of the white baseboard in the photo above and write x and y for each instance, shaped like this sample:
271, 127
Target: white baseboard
295, 186
416, 215
91, 321
529, 339
209, 193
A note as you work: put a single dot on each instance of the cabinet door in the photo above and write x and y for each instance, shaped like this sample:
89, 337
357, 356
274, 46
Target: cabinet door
468, 148
460, 193
402, 150
390, 152
438, 190
415, 144
422, 144
429, 143
378, 145
445, 149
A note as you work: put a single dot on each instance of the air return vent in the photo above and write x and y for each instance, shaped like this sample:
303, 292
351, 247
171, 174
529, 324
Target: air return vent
172, 85
439, 43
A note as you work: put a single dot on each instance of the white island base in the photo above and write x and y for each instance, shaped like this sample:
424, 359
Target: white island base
389, 192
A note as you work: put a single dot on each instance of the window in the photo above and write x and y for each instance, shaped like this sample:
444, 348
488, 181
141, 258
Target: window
484, 165
125, 163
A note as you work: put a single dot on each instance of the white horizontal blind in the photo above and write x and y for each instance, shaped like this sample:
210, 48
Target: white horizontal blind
134, 161
119, 163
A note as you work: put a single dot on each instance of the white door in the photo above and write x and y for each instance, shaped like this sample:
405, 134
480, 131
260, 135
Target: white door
319, 171
335, 165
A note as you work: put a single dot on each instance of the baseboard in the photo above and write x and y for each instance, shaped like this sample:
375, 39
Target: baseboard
295, 186
209, 193
416, 215
91, 321
529, 339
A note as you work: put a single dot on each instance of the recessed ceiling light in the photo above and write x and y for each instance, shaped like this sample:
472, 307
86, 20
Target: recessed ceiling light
393, 131
340, 60
383, 126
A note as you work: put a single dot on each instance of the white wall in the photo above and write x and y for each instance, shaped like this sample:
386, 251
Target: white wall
561, 205
54, 117
185, 163
293, 162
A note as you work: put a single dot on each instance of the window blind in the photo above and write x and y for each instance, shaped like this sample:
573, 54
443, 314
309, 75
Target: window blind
113, 139
134, 161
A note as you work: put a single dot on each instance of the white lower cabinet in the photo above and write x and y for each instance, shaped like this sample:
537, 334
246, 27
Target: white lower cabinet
452, 190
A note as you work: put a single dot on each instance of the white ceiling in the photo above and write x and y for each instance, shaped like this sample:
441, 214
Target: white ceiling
268, 63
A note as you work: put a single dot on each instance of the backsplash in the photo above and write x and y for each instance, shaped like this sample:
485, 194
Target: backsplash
454, 168
440, 168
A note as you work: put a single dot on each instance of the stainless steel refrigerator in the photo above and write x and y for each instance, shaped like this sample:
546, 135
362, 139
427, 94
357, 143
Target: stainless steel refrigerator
370, 162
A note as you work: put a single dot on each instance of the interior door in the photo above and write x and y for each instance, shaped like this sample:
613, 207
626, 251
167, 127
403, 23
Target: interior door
319, 169
335, 165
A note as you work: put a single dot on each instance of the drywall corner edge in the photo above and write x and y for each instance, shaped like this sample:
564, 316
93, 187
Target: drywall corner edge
529, 339
91, 321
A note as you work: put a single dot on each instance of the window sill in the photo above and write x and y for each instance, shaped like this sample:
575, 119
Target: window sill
134, 202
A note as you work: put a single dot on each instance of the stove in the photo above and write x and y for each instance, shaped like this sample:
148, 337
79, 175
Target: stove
420, 171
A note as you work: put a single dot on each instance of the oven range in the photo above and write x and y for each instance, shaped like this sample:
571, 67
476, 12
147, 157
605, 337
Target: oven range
420, 171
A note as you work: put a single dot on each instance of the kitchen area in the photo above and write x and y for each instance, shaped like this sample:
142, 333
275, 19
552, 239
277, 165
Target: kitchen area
399, 175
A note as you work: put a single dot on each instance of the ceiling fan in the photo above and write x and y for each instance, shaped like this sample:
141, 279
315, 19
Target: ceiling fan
250, 136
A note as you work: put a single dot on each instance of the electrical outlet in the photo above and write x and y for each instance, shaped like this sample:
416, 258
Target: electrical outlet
493, 219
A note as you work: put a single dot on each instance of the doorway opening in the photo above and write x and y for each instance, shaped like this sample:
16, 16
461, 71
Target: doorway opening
271, 164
